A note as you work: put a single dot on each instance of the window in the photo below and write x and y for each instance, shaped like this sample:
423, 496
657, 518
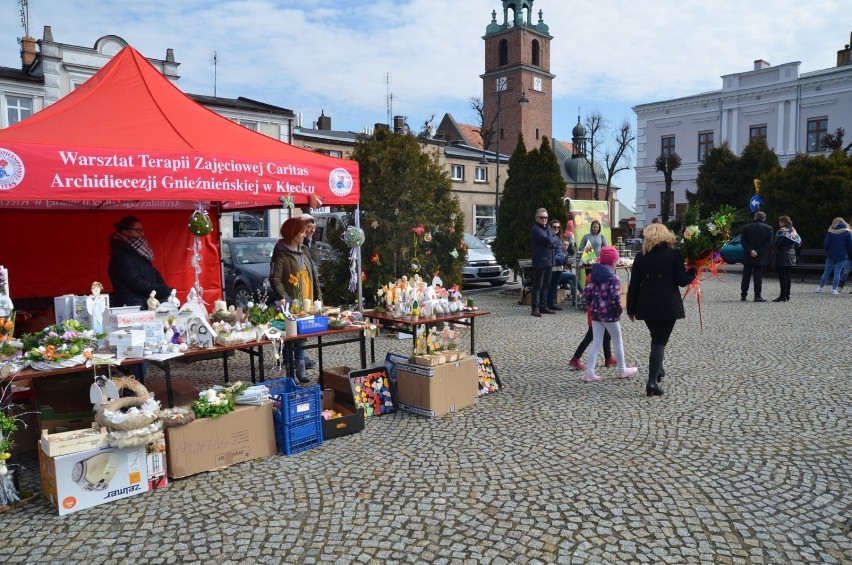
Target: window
705, 143
483, 216
331, 152
503, 52
481, 174
668, 145
756, 131
18, 108
250, 125
457, 172
536, 57
816, 129
501, 84
537, 134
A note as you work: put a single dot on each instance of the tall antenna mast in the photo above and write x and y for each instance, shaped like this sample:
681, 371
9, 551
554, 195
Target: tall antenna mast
25, 16
215, 62
388, 98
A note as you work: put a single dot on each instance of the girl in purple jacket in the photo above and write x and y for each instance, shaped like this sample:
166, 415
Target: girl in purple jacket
603, 297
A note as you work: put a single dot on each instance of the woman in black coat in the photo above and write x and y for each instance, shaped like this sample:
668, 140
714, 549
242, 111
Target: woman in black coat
786, 242
653, 295
130, 269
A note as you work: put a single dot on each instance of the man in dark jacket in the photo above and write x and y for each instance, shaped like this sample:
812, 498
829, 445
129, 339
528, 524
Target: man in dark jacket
542, 263
756, 240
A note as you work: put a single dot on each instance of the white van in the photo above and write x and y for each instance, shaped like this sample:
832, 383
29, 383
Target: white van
327, 223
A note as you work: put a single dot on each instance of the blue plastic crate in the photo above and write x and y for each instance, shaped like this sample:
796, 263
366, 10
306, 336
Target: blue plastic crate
295, 403
312, 325
297, 437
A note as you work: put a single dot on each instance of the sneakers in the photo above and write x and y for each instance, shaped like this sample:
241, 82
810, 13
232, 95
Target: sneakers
834, 291
591, 378
819, 289
611, 362
576, 365
309, 363
624, 373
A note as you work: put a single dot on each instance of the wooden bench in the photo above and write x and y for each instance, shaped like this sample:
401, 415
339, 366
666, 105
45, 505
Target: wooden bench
809, 260
527, 276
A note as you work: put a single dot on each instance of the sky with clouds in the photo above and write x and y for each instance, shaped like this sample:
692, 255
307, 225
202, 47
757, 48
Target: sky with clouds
336, 55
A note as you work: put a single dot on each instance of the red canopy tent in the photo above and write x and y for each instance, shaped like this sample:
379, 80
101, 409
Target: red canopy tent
128, 142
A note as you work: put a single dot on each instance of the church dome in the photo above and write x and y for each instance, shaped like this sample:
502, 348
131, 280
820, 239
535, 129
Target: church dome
578, 170
579, 130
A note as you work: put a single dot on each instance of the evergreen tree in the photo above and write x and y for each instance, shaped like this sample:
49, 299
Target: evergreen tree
715, 183
403, 186
533, 181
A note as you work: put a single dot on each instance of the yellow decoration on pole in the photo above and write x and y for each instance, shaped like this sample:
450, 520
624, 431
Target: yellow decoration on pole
757, 186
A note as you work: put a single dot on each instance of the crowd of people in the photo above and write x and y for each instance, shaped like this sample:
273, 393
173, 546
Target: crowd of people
658, 274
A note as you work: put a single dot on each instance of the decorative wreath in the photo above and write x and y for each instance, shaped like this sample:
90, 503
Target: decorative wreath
353, 237
177, 416
124, 413
200, 224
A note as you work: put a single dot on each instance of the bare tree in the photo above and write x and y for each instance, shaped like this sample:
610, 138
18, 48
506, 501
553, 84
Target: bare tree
595, 128
667, 163
486, 131
617, 155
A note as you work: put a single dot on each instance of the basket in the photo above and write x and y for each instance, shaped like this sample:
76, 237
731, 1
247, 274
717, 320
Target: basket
296, 414
312, 325
296, 403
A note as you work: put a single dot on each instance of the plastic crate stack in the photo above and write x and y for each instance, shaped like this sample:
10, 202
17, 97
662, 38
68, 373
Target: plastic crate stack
297, 415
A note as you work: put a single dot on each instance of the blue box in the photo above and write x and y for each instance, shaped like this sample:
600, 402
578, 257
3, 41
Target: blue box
312, 325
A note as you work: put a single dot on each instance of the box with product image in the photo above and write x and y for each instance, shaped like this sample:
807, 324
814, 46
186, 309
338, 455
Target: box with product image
435, 391
208, 444
84, 479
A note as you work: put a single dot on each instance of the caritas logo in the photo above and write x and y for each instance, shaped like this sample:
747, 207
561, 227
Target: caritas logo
11, 169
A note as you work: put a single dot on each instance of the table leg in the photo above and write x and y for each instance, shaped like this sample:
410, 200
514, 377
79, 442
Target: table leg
372, 349
473, 336
167, 370
319, 354
225, 365
261, 369
363, 342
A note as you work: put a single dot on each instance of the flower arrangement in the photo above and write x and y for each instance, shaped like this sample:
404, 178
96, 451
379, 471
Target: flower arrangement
214, 402
297, 306
260, 311
700, 243
7, 327
61, 341
701, 239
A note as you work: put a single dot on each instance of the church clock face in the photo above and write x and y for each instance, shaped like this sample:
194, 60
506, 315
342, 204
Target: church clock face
501, 84
537, 84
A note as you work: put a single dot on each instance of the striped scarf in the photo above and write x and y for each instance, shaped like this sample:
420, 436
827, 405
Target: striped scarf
138, 244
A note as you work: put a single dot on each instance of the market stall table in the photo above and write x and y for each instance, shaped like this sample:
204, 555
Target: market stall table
320, 344
389, 321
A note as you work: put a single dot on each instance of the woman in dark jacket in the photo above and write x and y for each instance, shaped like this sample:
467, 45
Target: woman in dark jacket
653, 295
786, 243
130, 269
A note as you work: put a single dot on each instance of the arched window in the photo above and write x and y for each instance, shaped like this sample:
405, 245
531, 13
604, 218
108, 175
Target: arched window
503, 52
535, 53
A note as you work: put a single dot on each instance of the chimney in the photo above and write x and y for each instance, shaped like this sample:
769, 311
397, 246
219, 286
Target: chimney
381, 127
761, 64
324, 122
28, 51
844, 56
398, 124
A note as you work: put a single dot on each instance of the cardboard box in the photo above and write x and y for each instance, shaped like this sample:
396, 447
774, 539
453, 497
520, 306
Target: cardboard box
122, 318
560, 296
155, 458
337, 379
126, 337
65, 443
351, 422
207, 444
130, 351
435, 391
89, 478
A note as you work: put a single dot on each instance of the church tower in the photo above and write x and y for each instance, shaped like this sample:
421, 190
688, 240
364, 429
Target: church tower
517, 69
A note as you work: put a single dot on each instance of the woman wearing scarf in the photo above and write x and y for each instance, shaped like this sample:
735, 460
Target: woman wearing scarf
786, 243
130, 269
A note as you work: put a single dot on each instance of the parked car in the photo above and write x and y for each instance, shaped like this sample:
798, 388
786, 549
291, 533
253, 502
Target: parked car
482, 266
327, 223
487, 234
732, 252
245, 262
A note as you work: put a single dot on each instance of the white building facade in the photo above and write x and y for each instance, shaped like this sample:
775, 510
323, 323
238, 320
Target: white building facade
792, 110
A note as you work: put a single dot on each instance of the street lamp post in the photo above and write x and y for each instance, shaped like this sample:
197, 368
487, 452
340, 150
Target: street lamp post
523, 100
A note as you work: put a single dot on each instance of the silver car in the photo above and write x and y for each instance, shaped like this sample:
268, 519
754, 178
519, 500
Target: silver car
482, 266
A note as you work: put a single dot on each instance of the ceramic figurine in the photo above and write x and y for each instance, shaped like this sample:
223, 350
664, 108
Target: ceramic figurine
96, 306
153, 303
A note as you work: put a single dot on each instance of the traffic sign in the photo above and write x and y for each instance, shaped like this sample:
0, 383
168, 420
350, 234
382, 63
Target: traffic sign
631, 222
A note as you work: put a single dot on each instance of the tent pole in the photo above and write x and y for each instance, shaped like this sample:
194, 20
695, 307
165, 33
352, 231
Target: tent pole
360, 280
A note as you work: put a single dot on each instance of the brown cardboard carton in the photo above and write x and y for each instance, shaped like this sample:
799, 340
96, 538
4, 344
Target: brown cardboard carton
207, 444
435, 391
337, 379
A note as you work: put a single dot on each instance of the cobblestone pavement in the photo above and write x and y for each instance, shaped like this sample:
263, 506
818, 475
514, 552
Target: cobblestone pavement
746, 459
